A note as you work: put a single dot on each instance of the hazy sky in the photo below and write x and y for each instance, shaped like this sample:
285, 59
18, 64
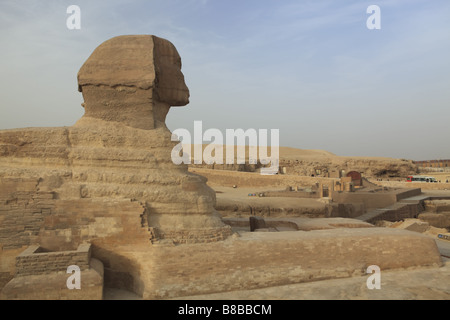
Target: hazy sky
311, 69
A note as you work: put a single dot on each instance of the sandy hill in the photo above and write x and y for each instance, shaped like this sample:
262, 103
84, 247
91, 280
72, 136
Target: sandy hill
289, 153
306, 161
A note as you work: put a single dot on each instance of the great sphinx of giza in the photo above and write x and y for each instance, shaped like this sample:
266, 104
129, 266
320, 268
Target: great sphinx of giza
129, 84
120, 149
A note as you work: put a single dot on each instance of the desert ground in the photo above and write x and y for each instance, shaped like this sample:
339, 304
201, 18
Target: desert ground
413, 284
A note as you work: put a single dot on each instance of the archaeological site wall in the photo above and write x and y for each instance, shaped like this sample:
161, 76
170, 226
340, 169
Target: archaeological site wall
261, 259
36, 260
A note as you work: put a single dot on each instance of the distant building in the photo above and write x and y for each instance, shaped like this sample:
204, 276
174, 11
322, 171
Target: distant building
356, 178
433, 163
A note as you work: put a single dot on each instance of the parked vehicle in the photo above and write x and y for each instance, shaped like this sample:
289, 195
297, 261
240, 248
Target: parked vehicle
420, 179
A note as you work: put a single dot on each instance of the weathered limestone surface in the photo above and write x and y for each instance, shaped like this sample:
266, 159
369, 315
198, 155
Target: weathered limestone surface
264, 259
35, 260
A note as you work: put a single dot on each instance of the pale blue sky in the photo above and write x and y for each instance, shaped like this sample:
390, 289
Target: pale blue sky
309, 68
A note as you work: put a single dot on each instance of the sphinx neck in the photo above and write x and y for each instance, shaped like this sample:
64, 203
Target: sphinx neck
129, 106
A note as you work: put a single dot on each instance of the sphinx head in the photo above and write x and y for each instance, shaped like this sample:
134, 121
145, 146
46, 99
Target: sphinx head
133, 80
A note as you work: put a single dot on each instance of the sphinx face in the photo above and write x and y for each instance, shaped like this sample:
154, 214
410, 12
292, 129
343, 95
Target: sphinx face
170, 84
